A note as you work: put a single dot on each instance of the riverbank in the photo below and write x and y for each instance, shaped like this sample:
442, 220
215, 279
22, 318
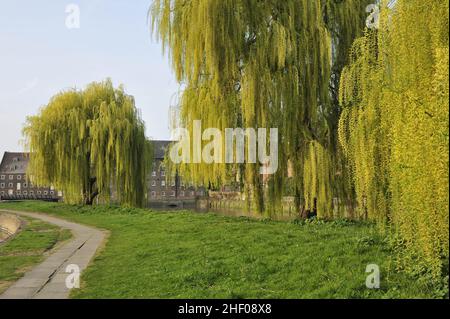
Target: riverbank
191, 255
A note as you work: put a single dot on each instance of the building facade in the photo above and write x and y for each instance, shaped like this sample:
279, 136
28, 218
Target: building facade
163, 189
15, 184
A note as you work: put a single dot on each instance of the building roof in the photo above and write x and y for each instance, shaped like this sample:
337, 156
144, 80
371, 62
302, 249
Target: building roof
14, 163
160, 148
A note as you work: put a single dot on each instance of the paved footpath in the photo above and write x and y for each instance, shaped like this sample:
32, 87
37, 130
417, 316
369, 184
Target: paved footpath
48, 279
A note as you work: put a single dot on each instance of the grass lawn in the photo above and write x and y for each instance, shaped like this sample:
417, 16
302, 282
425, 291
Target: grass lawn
27, 249
191, 255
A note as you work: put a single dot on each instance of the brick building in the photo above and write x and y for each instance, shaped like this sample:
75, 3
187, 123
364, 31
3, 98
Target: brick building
162, 189
14, 183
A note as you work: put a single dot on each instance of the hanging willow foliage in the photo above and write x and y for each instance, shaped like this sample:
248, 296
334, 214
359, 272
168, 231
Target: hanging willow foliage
90, 143
263, 64
394, 128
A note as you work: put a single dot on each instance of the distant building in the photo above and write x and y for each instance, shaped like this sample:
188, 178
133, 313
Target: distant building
15, 184
160, 187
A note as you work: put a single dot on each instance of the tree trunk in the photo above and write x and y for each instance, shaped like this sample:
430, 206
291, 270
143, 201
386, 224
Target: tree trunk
91, 193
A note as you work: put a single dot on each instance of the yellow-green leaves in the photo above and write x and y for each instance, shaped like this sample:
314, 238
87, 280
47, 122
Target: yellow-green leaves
252, 63
90, 142
394, 128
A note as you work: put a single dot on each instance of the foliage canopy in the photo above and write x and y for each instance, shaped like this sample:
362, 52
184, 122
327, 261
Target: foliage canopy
262, 64
394, 128
90, 142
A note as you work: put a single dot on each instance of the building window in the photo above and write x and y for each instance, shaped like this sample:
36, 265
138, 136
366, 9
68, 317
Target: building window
2, 185
172, 194
163, 173
163, 183
2, 193
39, 192
10, 192
173, 184
154, 183
153, 194
25, 193
25, 185
18, 193
2, 177
18, 186
182, 194
11, 177
163, 194
60, 193
154, 174
31, 193
45, 193
52, 193
19, 177
10, 185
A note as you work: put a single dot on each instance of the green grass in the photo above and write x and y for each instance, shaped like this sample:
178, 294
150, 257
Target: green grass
191, 255
27, 249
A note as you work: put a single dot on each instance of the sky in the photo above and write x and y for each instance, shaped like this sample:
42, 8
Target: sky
40, 56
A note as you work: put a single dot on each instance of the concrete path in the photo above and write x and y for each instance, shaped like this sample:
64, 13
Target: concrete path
48, 280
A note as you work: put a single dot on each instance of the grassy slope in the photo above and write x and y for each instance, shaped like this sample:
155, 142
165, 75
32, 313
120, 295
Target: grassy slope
27, 249
189, 255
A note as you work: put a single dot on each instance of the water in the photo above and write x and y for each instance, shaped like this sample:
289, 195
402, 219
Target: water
244, 213
202, 208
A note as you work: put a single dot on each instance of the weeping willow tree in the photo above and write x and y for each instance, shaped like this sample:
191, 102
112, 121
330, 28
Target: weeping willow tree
90, 143
394, 128
263, 64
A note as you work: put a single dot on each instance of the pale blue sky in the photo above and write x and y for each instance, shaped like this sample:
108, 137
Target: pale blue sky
40, 56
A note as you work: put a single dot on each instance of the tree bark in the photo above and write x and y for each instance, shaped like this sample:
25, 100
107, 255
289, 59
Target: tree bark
91, 193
